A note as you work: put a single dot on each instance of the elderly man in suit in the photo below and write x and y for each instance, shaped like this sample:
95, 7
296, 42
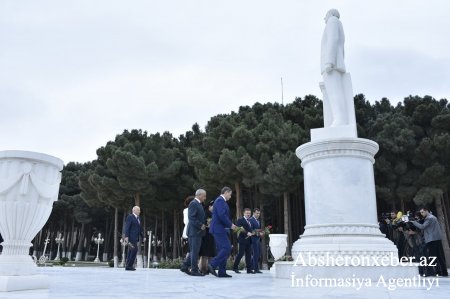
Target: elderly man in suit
133, 230
195, 232
245, 242
220, 227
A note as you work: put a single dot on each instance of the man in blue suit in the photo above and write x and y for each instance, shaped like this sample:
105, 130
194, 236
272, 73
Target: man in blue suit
195, 232
245, 242
219, 228
256, 240
133, 230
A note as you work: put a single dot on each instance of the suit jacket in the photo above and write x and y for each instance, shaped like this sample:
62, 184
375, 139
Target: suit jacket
133, 229
332, 47
430, 227
242, 238
196, 216
256, 224
220, 222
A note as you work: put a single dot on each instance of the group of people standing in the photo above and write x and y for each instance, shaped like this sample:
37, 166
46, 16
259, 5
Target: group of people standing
208, 237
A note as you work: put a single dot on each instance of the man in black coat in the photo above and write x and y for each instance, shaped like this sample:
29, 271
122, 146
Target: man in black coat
245, 242
133, 230
195, 232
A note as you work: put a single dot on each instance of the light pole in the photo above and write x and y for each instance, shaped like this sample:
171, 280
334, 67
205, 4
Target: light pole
59, 241
43, 258
124, 244
99, 240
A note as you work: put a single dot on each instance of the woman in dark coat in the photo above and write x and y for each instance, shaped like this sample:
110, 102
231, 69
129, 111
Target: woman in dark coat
208, 247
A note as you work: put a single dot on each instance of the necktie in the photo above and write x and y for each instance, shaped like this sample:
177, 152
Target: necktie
138, 220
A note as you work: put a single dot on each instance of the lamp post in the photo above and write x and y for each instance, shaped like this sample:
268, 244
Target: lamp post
99, 240
43, 258
124, 244
59, 241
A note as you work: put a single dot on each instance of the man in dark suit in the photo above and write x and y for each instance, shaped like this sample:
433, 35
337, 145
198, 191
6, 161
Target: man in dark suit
195, 232
219, 228
245, 242
256, 240
133, 230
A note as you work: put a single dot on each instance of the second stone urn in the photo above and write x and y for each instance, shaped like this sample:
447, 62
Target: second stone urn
278, 245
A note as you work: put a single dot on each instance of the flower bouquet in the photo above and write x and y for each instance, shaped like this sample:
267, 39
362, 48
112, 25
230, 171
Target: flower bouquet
238, 230
262, 232
127, 243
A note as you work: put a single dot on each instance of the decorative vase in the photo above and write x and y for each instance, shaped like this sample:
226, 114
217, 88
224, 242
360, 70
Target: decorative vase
278, 245
29, 184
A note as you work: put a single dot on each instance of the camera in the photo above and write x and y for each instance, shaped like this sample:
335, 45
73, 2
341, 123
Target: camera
405, 222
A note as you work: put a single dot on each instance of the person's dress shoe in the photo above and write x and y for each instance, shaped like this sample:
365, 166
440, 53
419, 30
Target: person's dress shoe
250, 272
224, 276
185, 270
196, 274
237, 271
259, 272
211, 270
130, 269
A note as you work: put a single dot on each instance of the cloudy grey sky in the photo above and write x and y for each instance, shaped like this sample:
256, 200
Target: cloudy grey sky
73, 74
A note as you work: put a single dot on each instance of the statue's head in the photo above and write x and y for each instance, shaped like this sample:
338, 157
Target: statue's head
332, 13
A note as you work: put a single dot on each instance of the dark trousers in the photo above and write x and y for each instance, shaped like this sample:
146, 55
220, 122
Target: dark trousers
192, 259
131, 257
223, 247
244, 248
435, 249
256, 253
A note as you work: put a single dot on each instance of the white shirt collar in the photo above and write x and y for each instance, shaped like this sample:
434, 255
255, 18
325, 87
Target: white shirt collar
198, 200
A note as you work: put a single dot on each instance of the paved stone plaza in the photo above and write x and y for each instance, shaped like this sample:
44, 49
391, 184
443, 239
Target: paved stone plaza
105, 282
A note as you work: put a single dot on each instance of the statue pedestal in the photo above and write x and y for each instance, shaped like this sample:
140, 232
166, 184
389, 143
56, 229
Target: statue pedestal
29, 184
340, 208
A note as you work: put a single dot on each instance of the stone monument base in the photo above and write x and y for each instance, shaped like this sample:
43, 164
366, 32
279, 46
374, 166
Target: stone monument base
373, 273
23, 282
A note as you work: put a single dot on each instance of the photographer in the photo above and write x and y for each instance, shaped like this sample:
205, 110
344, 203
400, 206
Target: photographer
414, 239
395, 227
432, 235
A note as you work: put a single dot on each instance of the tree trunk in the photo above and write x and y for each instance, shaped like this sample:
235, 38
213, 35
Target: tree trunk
264, 240
137, 199
441, 219
155, 253
163, 235
446, 214
175, 253
237, 186
72, 240
79, 255
106, 237
286, 204
116, 239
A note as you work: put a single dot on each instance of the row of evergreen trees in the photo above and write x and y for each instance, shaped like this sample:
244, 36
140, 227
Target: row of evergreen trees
252, 151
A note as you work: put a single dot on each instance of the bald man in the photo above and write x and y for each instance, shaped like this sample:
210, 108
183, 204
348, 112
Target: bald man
133, 230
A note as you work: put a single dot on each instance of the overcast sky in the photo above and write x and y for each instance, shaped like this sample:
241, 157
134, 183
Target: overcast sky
73, 74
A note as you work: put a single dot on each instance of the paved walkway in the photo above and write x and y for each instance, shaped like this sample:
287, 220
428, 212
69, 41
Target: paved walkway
85, 283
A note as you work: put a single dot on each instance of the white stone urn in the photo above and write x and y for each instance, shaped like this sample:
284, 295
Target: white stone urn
29, 184
278, 245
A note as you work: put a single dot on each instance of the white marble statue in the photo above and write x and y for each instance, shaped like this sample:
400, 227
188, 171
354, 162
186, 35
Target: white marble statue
336, 86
